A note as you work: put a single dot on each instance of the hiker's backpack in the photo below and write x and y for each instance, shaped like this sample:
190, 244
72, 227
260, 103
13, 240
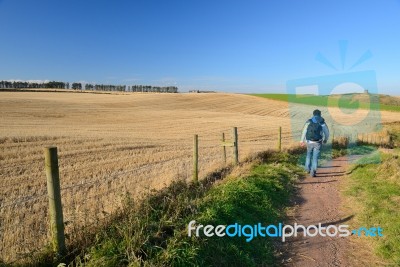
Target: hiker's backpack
314, 131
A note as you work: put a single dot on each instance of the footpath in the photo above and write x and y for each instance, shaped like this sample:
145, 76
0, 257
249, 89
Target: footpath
319, 201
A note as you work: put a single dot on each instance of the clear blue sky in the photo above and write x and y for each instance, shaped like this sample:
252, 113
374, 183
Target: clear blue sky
237, 46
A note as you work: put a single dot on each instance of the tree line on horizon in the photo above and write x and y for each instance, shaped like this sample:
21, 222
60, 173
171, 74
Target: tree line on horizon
88, 86
20, 85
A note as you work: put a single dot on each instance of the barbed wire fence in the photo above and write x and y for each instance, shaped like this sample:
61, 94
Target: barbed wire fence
93, 196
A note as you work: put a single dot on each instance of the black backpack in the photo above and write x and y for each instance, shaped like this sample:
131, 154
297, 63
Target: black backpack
314, 130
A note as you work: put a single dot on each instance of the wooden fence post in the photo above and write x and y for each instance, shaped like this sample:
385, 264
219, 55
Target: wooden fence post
280, 139
223, 147
195, 158
55, 206
235, 145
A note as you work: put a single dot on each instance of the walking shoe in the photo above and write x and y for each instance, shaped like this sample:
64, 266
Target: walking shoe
313, 173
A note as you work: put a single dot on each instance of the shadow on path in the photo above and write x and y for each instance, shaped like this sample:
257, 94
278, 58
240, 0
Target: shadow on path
336, 222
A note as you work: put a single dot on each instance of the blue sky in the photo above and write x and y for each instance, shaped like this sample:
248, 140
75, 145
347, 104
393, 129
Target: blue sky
237, 46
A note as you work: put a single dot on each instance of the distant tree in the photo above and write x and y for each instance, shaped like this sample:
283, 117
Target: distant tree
77, 86
89, 86
55, 85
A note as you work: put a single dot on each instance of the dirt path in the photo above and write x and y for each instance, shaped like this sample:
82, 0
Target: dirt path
319, 202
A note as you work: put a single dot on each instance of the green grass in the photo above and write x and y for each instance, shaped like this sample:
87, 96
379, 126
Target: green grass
376, 188
154, 232
344, 101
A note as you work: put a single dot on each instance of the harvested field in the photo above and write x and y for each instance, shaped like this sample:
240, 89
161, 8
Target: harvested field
113, 144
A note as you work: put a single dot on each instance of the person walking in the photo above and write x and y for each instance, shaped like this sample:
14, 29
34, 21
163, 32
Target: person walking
315, 132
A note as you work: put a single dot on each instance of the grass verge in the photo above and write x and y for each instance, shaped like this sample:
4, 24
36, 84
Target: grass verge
375, 190
154, 231
378, 102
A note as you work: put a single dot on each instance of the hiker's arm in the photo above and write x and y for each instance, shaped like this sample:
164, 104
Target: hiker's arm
325, 130
303, 133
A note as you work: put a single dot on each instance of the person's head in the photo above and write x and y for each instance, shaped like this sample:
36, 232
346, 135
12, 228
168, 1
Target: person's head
317, 112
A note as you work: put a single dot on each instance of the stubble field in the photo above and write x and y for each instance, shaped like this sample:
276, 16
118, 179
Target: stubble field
112, 144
